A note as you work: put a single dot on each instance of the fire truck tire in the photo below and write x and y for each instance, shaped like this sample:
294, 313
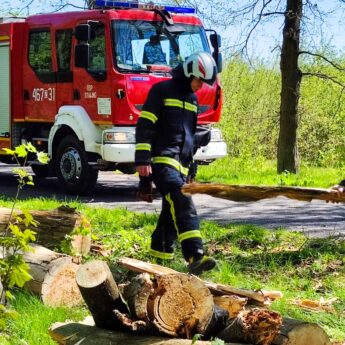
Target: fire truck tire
41, 171
74, 173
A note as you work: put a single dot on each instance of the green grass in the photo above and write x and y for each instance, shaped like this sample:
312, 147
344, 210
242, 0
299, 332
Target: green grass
264, 172
31, 327
249, 257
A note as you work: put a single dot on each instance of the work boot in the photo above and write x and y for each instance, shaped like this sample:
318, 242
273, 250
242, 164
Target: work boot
199, 265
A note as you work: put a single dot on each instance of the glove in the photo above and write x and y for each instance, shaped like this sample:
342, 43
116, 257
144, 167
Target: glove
145, 189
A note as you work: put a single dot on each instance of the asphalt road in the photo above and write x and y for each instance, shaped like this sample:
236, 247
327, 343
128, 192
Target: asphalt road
315, 218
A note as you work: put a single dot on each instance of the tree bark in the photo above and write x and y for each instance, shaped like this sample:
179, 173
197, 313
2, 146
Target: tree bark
101, 294
53, 277
75, 333
52, 227
288, 159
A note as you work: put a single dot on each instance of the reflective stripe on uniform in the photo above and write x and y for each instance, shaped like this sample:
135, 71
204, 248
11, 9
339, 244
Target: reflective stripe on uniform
172, 210
161, 255
172, 162
149, 116
189, 234
171, 102
143, 147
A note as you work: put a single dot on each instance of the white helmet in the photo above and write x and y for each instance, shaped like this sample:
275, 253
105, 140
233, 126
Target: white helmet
201, 65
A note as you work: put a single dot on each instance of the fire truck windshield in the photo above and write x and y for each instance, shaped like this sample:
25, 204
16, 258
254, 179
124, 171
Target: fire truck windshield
142, 46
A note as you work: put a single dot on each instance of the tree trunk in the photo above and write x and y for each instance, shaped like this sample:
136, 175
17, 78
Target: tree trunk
295, 332
77, 333
52, 227
288, 159
53, 277
101, 294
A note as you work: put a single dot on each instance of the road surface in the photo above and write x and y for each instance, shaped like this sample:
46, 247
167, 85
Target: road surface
315, 218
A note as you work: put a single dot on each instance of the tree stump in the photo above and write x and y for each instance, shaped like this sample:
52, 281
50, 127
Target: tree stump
53, 277
101, 294
295, 332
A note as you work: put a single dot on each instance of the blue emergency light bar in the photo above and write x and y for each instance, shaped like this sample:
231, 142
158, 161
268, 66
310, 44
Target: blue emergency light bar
144, 6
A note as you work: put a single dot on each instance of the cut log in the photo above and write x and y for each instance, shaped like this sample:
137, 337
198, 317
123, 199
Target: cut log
181, 305
295, 332
216, 289
255, 193
257, 326
101, 294
77, 333
136, 294
232, 303
53, 277
52, 227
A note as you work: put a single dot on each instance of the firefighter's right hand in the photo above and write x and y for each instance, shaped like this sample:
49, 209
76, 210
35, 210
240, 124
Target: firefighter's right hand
145, 190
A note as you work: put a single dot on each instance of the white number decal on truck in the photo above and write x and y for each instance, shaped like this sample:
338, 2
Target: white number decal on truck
40, 94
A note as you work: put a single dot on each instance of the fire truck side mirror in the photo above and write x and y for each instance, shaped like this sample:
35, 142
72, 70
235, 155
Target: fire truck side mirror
83, 32
216, 40
216, 43
82, 55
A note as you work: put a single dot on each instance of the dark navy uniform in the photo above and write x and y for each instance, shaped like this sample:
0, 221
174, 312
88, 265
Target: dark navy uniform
164, 138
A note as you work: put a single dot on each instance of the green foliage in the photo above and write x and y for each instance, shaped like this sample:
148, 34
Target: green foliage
250, 117
14, 271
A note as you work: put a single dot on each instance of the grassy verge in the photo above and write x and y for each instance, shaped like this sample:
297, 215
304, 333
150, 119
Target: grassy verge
248, 256
263, 172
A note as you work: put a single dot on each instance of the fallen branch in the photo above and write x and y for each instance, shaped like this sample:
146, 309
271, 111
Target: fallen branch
255, 193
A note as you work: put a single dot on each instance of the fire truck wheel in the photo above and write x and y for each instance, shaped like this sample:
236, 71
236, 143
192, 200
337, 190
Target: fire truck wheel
72, 169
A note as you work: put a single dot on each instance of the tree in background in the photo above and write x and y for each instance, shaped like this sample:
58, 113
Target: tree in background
302, 19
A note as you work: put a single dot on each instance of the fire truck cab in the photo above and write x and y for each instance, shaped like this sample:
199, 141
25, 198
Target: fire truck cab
73, 84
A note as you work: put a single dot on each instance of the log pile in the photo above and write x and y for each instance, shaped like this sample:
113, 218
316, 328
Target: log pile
53, 277
256, 193
179, 306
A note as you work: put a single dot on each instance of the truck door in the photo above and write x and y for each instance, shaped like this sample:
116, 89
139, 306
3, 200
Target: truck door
39, 78
64, 74
4, 94
92, 85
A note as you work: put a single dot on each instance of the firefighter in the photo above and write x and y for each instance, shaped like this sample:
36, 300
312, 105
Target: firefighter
153, 52
164, 151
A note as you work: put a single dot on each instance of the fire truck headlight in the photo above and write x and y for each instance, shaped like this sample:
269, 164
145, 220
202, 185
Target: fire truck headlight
119, 137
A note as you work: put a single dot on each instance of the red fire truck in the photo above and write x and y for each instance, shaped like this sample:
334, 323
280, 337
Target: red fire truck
73, 84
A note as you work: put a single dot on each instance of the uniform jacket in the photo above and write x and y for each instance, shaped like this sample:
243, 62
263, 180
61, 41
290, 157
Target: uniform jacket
166, 126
